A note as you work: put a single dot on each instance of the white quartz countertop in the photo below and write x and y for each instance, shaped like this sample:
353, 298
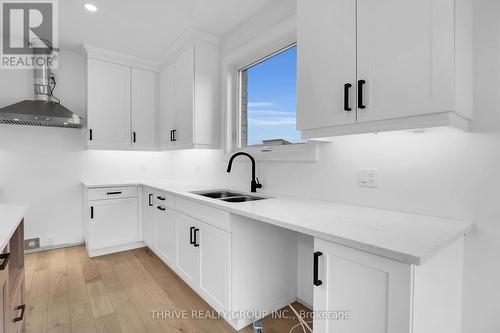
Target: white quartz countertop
10, 217
405, 237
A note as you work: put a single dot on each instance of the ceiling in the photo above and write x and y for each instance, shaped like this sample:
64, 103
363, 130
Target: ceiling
146, 28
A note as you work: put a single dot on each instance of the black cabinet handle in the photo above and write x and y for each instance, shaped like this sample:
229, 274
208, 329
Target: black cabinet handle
191, 241
173, 135
6, 258
195, 241
161, 208
114, 193
91, 212
160, 198
21, 317
134, 135
90, 134
346, 97
316, 280
360, 94
150, 200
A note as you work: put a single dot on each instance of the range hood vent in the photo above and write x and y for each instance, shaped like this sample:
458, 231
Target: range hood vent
45, 109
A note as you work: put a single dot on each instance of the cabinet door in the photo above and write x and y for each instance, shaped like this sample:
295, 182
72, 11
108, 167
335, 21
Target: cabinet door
148, 218
187, 252
405, 55
167, 105
165, 234
376, 291
326, 61
184, 97
215, 268
108, 104
4, 300
143, 108
113, 222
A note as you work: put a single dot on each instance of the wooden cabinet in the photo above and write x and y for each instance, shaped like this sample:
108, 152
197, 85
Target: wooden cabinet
112, 222
188, 101
165, 233
143, 111
108, 105
12, 292
386, 296
383, 65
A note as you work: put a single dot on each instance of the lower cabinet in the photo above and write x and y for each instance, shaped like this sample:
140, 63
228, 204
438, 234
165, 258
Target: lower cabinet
355, 291
112, 222
12, 293
187, 245
164, 233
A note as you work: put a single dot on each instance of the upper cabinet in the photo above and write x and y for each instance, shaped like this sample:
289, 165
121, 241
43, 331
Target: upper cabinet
137, 104
367, 66
189, 97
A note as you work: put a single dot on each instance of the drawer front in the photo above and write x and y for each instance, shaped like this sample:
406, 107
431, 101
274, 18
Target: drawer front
112, 192
162, 199
215, 217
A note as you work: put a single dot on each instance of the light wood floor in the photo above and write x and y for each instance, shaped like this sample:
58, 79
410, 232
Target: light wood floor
67, 292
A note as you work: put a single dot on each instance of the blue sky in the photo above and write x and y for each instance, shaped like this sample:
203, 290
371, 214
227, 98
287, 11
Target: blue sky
272, 99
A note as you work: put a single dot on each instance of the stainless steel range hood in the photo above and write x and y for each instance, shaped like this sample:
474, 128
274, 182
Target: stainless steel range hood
43, 110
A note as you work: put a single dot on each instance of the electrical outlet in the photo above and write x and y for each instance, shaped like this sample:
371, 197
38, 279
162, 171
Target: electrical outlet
32, 243
368, 178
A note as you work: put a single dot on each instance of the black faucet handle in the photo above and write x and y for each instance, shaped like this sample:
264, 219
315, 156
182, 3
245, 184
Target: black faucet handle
258, 184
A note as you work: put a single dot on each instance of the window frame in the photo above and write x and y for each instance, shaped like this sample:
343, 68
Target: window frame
257, 50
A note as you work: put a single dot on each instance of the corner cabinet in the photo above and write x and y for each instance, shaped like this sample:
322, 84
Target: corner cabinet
383, 65
121, 102
380, 295
189, 98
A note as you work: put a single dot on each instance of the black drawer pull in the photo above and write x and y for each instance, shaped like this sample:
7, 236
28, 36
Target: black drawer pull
316, 280
112, 193
161, 208
92, 212
21, 317
90, 134
191, 241
134, 135
150, 200
195, 241
6, 258
360, 94
160, 198
346, 97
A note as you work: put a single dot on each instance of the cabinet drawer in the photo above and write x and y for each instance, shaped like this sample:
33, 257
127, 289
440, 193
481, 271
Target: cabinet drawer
217, 218
162, 198
112, 192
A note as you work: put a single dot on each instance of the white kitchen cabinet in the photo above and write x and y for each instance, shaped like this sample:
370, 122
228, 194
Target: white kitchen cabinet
187, 248
408, 64
167, 106
108, 105
188, 101
385, 296
113, 222
143, 111
326, 66
148, 217
111, 217
165, 234
215, 265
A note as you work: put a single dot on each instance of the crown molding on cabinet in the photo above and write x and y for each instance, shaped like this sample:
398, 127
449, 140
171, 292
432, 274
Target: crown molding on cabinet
93, 52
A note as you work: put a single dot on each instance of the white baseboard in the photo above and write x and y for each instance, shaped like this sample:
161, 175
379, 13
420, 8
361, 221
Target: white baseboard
53, 247
113, 249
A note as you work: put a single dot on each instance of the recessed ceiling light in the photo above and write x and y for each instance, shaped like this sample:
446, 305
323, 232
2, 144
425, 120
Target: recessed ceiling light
90, 7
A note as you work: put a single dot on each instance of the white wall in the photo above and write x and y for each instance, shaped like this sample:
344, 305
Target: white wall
438, 172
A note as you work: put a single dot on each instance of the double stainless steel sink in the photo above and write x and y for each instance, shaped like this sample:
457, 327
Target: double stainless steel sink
229, 196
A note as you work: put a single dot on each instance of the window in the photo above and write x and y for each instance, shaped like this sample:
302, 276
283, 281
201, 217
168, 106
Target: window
268, 112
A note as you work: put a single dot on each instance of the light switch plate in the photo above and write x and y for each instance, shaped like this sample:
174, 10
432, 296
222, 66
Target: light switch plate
368, 177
